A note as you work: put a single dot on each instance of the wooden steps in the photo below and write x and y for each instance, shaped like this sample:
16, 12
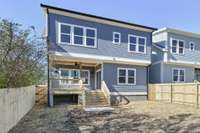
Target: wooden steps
95, 99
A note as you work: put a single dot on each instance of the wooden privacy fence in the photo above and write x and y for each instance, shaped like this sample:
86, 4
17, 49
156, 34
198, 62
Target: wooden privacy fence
184, 93
41, 94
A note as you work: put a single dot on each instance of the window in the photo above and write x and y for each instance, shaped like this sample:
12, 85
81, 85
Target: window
192, 46
116, 38
85, 76
177, 46
65, 34
74, 74
126, 76
136, 44
178, 75
90, 37
77, 35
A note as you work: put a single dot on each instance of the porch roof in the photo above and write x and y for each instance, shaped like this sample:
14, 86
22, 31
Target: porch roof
89, 58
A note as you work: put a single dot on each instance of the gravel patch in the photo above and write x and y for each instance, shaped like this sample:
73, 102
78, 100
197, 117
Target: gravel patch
139, 117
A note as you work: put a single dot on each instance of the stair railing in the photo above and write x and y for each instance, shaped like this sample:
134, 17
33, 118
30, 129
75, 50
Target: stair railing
106, 91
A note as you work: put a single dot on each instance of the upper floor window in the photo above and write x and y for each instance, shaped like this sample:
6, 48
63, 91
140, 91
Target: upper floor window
136, 44
126, 76
178, 75
192, 46
65, 34
116, 38
177, 46
76, 35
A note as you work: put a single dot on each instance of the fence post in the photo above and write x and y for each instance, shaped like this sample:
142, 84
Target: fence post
197, 95
171, 93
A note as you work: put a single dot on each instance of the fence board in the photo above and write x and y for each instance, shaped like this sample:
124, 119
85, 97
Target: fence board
183, 93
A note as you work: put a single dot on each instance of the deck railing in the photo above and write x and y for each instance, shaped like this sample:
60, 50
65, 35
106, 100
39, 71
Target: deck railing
66, 83
106, 91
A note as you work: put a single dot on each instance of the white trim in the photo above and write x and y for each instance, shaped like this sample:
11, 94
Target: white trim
180, 32
72, 35
190, 46
87, 18
137, 44
177, 46
187, 63
98, 70
128, 93
162, 49
118, 33
157, 62
126, 76
176, 68
100, 58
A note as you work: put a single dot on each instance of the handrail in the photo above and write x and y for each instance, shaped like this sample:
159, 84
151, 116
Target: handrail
106, 91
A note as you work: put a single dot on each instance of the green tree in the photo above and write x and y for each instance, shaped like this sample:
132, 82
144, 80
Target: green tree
22, 56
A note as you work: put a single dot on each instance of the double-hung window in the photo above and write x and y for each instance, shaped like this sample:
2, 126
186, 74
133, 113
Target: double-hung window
177, 46
178, 75
90, 37
126, 76
69, 74
192, 46
116, 38
65, 34
77, 35
136, 44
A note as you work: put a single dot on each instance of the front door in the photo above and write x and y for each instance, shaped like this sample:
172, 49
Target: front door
98, 79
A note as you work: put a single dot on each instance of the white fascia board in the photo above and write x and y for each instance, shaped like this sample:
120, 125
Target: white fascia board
188, 63
101, 58
180, 32
129, 93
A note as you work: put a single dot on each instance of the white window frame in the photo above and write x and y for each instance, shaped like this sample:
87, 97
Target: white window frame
126, 76
177, 47
59, 33
191, 47
72, 35
118, 33
137, 44
70, 70
178, 75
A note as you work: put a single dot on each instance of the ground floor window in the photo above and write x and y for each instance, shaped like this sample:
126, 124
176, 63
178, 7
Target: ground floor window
178, 75
84, 75
126, 76
197, 74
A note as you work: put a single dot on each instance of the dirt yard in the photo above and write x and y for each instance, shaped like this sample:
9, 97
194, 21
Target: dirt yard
155, 117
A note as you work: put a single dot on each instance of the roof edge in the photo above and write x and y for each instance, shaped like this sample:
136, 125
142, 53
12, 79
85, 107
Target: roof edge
98, 17
177, 31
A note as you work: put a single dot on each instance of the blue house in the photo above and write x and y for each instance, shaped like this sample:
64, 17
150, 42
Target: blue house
175, 56
96, 60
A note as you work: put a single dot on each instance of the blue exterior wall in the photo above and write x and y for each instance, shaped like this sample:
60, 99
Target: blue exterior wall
192, 56
104, 39
110, 77
157, 55
167, 73
155, 73
164, 69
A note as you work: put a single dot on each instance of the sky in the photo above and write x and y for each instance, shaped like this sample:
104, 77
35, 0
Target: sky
179, 14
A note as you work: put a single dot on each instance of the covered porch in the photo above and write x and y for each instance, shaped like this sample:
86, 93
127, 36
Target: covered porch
74, 77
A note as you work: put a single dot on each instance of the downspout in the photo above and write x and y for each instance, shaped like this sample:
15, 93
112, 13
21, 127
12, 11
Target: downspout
48, 45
